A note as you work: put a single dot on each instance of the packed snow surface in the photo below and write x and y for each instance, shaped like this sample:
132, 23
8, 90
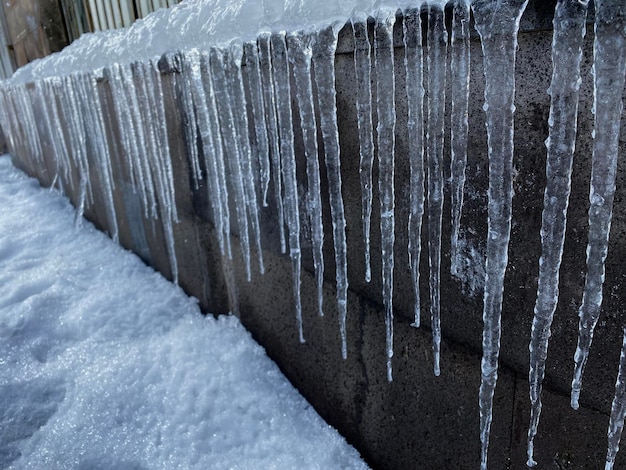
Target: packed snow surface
106, 365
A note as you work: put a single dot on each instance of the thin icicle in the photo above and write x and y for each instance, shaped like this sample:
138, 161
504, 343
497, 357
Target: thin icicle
437, 44
54, 130
386, 109
497, 24
280, 69
618, 410
324, 68
414, 68
362, 67
459, 89
78, 143
609, 50
252, 74
138, 162
267, 81
163, 163
190, 124
300, 52
199, 114
221, 89
569, 31
235, 79
90, 100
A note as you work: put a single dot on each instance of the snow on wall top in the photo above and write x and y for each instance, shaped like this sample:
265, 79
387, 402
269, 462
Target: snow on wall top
199, 24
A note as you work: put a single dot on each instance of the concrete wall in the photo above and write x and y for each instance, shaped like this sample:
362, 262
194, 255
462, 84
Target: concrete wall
417, 421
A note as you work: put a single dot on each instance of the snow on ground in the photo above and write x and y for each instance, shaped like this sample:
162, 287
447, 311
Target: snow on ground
105, 365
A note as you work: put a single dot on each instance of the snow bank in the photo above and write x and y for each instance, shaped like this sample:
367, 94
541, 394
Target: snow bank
105, 364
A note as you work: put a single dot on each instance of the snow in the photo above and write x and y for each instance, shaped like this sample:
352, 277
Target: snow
105, 364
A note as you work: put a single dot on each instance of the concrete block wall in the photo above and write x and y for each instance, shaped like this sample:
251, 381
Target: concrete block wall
417, 421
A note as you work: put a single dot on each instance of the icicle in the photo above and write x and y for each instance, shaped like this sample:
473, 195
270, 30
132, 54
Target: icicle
175, 62
459, 88
28, 123
252, 74
385, 92
280, 69
437, 43
300, 53
163, 163
362, 67
198, 114
414, 67
618, 410
569, 31
609, 50
267, 81
64, 165
235, 79
324, 67
217, 146
497, 24
78, 143
126, 129
221, 89
90, 100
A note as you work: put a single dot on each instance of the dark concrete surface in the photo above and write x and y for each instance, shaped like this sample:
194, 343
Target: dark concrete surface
418, 421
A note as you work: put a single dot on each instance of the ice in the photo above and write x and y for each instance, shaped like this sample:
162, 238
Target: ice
89, 99
569, 31
280, 70
459, 89
386, 110
107, 365
267, 82
618, 410
437, 41
414, 69
300, 52
239, 107
362, 67
497, 24
223, 97
202, 114
609, 52
252, 74
324, 72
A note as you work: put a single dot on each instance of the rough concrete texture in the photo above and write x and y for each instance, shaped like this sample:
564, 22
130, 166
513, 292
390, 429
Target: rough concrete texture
417, 421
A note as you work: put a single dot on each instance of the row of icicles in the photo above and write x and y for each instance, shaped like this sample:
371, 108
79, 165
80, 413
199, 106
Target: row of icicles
225, 149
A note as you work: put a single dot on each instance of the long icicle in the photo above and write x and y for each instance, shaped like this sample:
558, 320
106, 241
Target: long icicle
618, 410
300, 53
497, 24
459, 100
239, 105
223, 99
437, 45
267, 82
324, 68
252, 74
569, 31
609, 50
362, 67
385, 97
414, 67
288, 164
